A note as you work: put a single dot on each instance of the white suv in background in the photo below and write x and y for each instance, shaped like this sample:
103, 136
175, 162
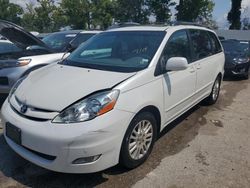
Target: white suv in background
108, 101
29, 53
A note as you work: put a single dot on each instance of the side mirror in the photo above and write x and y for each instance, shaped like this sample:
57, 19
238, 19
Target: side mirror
177, 64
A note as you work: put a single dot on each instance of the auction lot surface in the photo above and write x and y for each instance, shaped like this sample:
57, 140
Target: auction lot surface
207, 147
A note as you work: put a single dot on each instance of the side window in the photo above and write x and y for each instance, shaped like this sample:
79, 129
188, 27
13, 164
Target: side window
178, 46
201, 44
215, 43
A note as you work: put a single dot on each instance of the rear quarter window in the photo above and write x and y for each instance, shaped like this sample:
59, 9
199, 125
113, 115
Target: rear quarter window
215, 43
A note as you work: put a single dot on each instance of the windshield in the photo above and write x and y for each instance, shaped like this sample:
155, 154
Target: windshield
124, 51
235, 46
58, 41
6, 47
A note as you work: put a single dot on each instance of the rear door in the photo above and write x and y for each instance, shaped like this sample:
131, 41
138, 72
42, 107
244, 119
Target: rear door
205, 61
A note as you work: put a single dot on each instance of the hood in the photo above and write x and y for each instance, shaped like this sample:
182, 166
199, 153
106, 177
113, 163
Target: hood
235, 54
45, 58
19, 36
231, 55
55, 87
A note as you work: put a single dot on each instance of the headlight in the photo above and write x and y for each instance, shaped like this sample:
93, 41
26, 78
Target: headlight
15, 86
23, 62
88, 108
240, 60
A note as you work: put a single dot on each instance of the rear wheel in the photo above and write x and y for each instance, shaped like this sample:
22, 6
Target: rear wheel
214, 95
138, 140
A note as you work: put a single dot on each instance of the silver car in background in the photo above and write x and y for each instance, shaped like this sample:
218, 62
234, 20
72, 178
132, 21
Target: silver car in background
32, 53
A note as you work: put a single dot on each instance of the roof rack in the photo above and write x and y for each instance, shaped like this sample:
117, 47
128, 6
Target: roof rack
186, 23
176, 23
123, 24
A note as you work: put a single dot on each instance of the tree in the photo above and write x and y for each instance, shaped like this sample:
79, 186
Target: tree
77, 13
102, 13
132, 10
28, 20
234, 15
161, 9
10, 11
59, 20
46, 17
195, 10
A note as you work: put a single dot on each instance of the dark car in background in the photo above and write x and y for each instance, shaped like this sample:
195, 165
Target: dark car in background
237, 58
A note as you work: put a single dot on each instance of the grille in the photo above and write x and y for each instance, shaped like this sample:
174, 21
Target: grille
28, 117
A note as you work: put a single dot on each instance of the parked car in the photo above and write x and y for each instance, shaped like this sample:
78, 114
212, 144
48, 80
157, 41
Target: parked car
43, 35
109, 100
34, 53
2, 38
237, 58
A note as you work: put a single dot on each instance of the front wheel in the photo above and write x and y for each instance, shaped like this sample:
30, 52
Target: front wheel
214, 95
138, 140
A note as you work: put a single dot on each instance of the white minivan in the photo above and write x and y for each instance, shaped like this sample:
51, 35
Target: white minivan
108, 101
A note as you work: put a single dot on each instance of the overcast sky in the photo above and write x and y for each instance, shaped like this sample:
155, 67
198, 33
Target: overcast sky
221, 9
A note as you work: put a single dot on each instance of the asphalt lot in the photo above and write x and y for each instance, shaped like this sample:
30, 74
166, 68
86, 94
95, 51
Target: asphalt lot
206, 147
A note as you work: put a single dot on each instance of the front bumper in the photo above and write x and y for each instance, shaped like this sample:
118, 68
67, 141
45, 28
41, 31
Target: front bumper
9, 76
237, 69
66, 143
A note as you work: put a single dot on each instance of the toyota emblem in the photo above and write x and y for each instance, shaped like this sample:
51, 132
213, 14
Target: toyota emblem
24, 108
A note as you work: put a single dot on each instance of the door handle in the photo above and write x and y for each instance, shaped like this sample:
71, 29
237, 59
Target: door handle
198, 66
192, 70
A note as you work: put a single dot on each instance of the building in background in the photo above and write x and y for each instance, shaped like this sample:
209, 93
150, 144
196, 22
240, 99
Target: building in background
234, 34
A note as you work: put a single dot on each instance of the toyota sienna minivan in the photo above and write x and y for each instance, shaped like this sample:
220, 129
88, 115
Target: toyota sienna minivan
109, 100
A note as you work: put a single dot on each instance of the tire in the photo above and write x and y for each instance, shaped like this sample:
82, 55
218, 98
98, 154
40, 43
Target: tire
246, 75
214, 95
130, 159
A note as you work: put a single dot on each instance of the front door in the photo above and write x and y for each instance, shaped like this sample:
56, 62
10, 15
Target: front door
179, 86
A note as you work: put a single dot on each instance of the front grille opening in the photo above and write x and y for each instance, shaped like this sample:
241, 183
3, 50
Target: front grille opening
33, 108
4, 81
28, 117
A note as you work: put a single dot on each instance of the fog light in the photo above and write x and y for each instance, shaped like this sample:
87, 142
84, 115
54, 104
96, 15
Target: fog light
84, 160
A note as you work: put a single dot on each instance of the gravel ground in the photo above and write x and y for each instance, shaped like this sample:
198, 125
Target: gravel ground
206, 147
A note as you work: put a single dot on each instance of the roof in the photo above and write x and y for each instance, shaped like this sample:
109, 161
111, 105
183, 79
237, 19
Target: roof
91, 31
69, 31
5, 41
141, 28
158, 28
